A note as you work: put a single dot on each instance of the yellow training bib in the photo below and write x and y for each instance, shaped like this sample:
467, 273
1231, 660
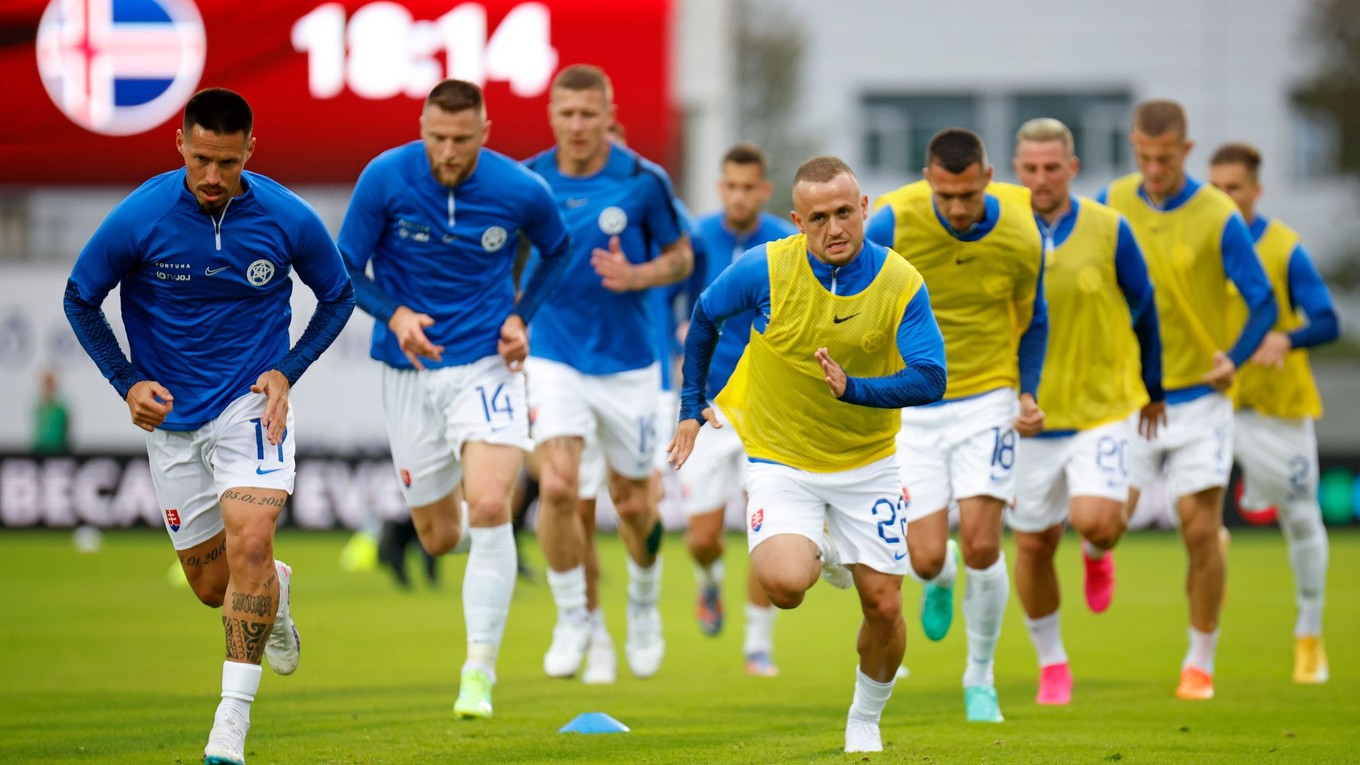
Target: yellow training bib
1290, 392
982, 292
778, 399
1184, 253
1091, 370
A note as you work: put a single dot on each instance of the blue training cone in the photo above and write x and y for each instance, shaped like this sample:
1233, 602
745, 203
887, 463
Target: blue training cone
594, 722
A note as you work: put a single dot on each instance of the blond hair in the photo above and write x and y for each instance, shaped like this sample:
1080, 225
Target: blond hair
1044, 130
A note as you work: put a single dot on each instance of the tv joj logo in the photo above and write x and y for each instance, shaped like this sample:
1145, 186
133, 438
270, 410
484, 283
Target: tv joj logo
120, 67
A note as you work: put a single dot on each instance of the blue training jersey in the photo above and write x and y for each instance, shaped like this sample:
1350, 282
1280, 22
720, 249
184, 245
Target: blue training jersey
722, 246
446, 252
206, 298
582, 324
663, 305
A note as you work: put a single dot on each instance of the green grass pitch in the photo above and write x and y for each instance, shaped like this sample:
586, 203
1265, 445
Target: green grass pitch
101, 661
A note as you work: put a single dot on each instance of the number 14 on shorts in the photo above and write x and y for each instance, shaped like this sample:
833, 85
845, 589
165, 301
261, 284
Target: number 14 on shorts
496, 406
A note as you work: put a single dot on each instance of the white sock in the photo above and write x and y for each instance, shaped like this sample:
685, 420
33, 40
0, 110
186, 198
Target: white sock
1203, 645
870, 697
984, 604
710, 575
946, 575
488, 585
464, 527
597, 628
569, 592
644, 584
240, 683
1308, 556
1092, 552
1046, 634
759, 629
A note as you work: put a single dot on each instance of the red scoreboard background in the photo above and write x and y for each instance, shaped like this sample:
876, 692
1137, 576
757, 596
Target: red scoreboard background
94, 89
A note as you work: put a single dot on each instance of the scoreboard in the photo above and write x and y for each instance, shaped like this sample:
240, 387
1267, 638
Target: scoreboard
95, 88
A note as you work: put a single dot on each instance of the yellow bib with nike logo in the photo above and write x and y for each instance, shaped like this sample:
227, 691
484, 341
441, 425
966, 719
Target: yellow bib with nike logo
1184, 253
1091, 370
1290, 392
778, 399
982, 292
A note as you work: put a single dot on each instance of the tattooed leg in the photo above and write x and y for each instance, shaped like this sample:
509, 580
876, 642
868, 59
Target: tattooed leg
205, 566
252, 594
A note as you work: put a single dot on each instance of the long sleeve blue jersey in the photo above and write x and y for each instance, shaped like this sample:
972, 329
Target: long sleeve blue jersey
206, 297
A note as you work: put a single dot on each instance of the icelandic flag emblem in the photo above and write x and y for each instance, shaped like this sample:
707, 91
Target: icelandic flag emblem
172, 518
120, 67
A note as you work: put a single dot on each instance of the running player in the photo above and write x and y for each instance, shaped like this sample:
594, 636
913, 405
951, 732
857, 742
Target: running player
1277, 401
1096, 285
439, 218
593, 366
717, 468
1194, 240
843, 337
977, 246
202, 257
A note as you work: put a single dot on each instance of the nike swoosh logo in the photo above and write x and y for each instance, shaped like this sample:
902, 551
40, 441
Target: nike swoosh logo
839, 319
262, 471
961, 261
899, 556
211, 271
573, 202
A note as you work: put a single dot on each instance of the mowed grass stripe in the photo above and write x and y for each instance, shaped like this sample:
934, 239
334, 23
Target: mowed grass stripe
102, 661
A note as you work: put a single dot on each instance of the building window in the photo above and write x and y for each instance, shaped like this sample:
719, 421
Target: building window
897, 129
1316, 143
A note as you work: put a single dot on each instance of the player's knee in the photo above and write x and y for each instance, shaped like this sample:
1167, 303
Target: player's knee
209, 591
980, 553
1034, 545
927, 564
632, 504
1106, 532
883, 608
489, 509
783, 596
1200, 534
251, 549
1302, 522
703, 544
558, 489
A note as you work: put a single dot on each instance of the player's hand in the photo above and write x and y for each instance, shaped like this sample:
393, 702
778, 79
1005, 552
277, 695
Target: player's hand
514, 343
1221, 376
1031, 419
1151, 419
613, 268
149, 402
835, 376
409, 327
275, 388
682, 443
1272, 350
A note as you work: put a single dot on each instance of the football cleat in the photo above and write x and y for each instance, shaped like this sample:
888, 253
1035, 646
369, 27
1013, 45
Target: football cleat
980, 704
937, 602
1055, 685
474, 696
284, 647
1196, 685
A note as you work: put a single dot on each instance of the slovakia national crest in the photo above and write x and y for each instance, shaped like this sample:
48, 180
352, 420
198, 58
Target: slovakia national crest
758, 519
120, 67
406, 478
172, 518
